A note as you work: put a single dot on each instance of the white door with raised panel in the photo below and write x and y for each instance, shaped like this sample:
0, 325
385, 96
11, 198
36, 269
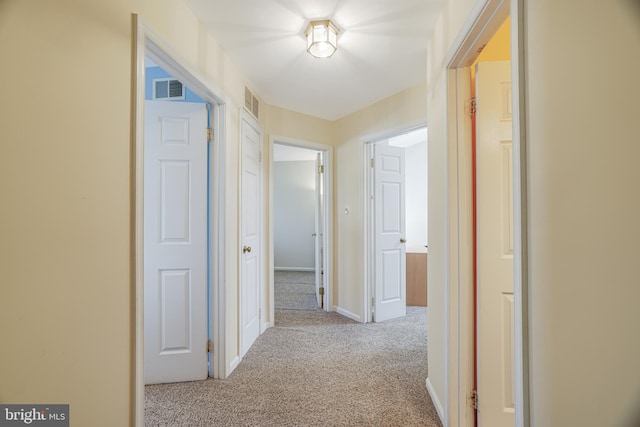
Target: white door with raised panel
175, 242
250, 231
494, 188
389, 222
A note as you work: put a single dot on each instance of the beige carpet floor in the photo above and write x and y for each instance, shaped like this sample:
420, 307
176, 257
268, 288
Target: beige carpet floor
295, 290
312, 369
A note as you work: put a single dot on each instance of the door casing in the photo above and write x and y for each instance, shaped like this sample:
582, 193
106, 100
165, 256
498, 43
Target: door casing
147, 43
368, 209
483, 22
327, 216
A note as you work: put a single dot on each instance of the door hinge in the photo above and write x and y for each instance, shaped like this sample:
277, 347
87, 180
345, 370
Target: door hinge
473, 107
372, 162
209, 134
209, 346
473, 397
321, 290
321, 169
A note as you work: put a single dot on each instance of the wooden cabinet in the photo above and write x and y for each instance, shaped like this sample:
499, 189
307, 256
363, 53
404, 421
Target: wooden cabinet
417, 278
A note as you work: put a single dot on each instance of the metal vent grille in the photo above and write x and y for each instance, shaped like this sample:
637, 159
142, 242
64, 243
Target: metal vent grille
251, 103
168, 89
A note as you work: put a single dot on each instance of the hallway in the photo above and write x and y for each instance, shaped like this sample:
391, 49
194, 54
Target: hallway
313, 368
295, 290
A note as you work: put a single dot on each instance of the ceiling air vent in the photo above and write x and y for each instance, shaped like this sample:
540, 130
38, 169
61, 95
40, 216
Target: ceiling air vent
251, 103
167, 89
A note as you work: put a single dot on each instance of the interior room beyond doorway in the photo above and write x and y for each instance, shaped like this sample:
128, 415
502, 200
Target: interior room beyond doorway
297, 213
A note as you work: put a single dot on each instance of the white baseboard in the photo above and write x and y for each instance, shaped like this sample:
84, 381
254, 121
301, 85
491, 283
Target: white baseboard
348, 314
234, 364
436, 401
264, 327
293, 269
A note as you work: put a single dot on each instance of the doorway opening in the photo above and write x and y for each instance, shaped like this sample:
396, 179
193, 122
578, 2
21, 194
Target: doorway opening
300, 223
176, 226
178, 281
487, 231
396, 243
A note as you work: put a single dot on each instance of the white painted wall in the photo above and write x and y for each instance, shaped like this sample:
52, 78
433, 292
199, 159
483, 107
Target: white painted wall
416, 195
294, 214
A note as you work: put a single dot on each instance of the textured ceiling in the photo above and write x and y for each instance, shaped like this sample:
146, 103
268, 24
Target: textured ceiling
382, 49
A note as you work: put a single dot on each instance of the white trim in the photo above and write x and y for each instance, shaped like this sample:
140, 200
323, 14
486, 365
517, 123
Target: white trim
480, 26
327, 217
234, 363
305, 270
147, 43
349, 314
520, 214
435, 400
368, 209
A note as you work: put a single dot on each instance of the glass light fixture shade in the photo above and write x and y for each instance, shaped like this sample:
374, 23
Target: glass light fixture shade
322, 38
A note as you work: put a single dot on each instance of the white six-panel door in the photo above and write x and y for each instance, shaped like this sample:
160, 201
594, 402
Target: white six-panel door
250, 261
495, 245
175, 242
389, 219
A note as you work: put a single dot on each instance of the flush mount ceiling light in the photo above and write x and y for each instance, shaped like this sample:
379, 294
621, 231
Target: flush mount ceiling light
322, 38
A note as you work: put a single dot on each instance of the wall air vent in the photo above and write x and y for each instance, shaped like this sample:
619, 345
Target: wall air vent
251, 103
168, 89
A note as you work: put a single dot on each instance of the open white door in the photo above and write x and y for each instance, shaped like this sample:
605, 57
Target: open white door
319, 233
389, 219
495, 327
175, 242
250, 261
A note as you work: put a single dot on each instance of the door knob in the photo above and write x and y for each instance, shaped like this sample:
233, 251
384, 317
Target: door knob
246, 249
403, 240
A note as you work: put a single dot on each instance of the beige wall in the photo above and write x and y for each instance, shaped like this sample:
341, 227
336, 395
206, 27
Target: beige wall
583, 210
401, 111
289, 124
66, 322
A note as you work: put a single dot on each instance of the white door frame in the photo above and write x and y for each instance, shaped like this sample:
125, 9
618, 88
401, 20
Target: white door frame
327, 214
369, 210
147, 43
482, 24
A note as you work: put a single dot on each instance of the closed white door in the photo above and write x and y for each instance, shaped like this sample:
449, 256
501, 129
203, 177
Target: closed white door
319, 233
389, 219
250, 272
494, 188
175, 242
